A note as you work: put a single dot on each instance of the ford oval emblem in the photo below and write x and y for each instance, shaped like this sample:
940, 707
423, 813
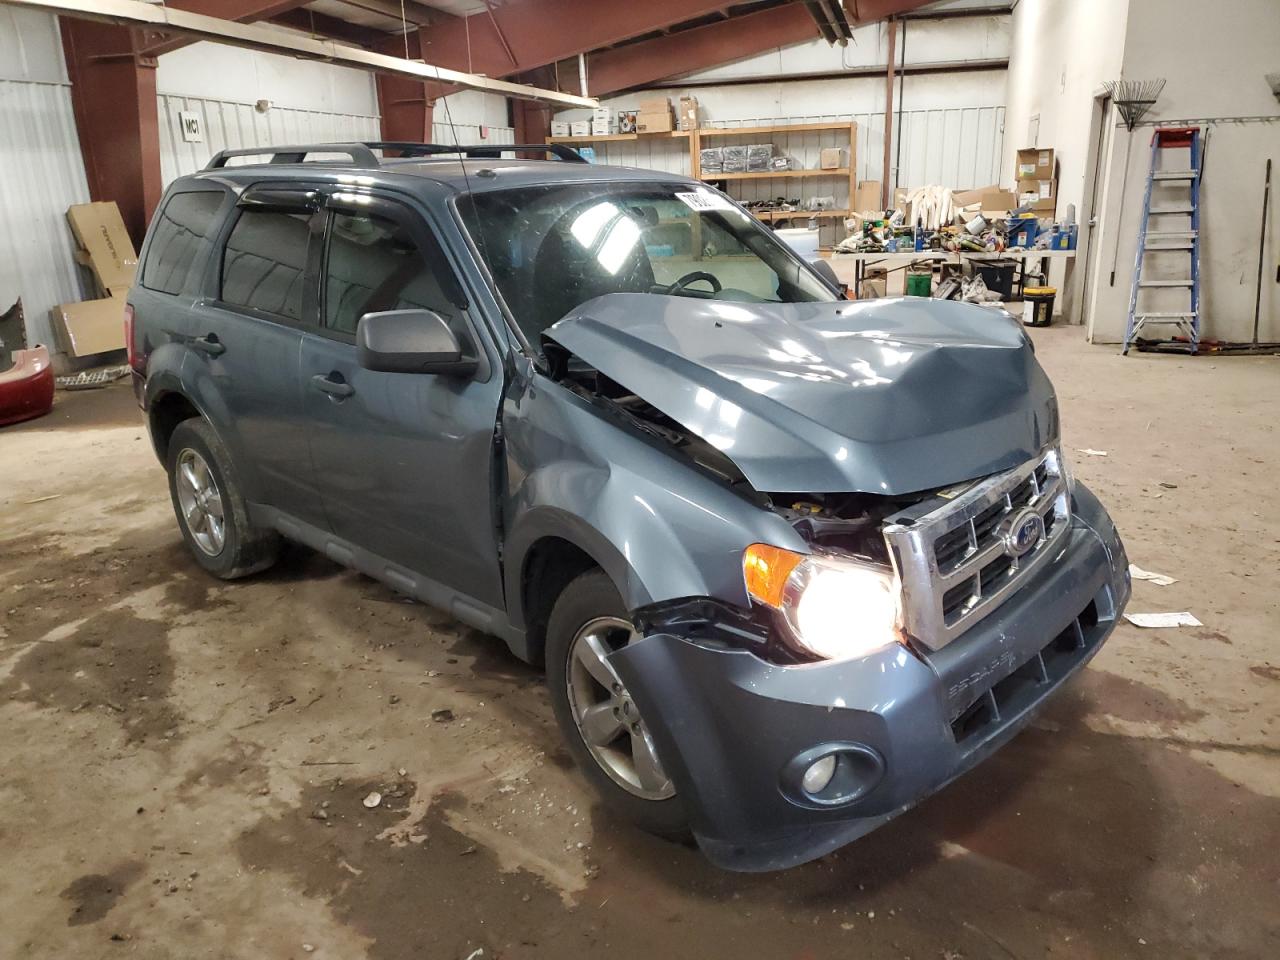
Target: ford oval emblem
1022, 532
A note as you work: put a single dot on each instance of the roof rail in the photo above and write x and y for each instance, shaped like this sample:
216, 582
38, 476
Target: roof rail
360, 154
476, 150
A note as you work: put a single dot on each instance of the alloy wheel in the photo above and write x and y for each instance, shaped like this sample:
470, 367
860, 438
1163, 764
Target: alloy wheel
607, 717
201, 503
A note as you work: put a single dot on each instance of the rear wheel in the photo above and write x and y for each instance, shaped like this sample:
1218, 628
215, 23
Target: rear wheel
211, 509
604, 730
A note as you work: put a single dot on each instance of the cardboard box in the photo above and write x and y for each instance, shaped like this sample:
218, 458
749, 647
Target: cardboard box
866, 198
560, 128
875, 283
602, 113
655, 105
91, 326
992, 202
580, 128
100, 232
831, 158
655, 122
601, 128
688, 113
1035, 163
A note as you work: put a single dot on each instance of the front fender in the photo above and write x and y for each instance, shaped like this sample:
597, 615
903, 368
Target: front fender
658, 525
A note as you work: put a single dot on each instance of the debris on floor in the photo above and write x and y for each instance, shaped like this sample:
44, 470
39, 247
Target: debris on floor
1159, 579
372, 800
1182, 619
93, 379
1090, 452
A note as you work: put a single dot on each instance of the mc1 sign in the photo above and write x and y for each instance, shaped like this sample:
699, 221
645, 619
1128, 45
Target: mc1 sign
192, 128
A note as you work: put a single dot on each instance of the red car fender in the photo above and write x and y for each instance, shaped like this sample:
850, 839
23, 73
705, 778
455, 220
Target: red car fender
26, 388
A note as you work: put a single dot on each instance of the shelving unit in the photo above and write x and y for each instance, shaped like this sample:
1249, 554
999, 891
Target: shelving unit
766, 132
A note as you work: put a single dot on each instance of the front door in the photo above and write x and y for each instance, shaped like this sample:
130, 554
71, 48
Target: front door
404, 461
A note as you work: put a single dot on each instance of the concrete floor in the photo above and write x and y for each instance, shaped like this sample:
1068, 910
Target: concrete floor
184, 760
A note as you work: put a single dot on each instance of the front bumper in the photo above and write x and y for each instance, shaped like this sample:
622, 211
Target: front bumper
729, 725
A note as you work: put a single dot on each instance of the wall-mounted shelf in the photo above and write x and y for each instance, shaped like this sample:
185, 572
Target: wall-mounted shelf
613, 137
770, 215
774, 128
778, 174
695, 140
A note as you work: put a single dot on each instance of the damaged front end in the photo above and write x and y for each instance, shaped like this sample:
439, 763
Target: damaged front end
902, 613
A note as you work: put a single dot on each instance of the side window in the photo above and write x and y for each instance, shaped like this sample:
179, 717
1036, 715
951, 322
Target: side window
374, 264
178, 239
265, 262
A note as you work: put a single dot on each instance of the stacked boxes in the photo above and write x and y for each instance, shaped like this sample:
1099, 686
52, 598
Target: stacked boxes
655, 116
711, 159
1037, 179
688, 113
602, 122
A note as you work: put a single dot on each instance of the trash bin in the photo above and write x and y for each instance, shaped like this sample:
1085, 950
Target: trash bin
998, 275
919, 283
1037, 306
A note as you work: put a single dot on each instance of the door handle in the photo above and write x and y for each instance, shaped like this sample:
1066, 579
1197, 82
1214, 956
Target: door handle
338, 389
210, 344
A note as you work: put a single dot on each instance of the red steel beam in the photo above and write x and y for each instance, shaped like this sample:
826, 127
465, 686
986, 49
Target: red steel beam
888, 114
523, 34
113, 94
649, 61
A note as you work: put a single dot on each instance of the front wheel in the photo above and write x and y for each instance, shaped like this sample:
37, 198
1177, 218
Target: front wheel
604, 730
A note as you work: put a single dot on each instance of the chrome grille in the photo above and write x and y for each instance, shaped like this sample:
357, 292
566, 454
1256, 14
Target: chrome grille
956, 562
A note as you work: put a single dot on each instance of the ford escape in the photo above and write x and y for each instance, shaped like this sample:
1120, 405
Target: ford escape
792, 563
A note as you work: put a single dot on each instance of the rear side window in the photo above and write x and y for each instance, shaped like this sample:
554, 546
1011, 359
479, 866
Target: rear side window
264, 263
178, 239
374, 264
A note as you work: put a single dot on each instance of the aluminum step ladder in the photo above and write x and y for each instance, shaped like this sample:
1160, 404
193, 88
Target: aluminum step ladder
1184, 322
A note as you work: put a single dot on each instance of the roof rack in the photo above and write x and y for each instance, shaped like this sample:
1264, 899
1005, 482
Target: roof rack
476, 150
362, 154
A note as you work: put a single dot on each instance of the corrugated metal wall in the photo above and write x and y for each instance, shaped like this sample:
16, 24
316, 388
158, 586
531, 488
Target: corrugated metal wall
41, 174
467, 133
228, 124
958, 147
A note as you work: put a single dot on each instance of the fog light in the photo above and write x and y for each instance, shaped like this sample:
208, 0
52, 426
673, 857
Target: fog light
819, 775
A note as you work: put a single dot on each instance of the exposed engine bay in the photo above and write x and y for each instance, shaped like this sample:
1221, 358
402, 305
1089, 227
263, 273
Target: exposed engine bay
847, 522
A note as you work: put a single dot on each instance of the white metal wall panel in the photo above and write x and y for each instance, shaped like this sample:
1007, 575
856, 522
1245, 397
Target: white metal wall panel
468, 133
957, 147
41, 174
228, 124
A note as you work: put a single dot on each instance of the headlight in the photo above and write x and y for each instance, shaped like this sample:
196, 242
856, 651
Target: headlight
1063, 466
833, 607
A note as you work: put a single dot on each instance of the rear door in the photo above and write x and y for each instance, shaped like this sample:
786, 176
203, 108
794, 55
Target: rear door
247, 339
404, 461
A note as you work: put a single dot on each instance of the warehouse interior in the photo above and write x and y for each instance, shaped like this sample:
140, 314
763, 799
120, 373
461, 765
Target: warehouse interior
310, 761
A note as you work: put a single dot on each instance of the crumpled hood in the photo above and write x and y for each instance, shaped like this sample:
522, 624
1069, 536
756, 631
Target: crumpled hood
881, 396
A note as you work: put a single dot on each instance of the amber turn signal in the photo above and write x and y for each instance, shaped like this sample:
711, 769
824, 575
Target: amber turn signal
766, 570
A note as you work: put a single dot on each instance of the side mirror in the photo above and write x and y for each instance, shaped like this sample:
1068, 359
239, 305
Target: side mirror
827, 272
410, 341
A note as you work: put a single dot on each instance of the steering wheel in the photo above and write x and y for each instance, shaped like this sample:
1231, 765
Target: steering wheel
694, 277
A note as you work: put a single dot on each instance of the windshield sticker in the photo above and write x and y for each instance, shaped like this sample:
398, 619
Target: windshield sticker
705, 200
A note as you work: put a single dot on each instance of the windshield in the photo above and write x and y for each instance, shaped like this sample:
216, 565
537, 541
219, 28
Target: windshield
551, 248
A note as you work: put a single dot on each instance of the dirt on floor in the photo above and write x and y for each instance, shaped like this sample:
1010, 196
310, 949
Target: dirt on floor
185, 763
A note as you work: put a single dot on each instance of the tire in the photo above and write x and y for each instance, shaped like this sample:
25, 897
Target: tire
592, 601
241, 548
